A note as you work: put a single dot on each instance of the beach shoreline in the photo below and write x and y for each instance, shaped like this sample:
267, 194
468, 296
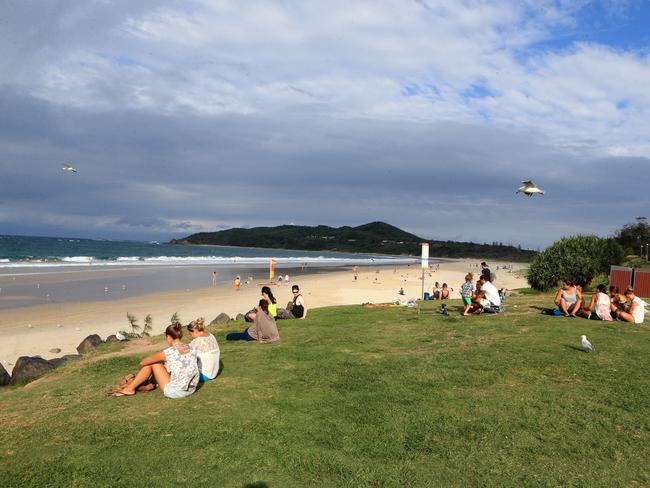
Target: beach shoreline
36, 330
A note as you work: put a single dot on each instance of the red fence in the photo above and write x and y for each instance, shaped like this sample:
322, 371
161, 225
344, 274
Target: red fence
638, 278
620, 276
642, 283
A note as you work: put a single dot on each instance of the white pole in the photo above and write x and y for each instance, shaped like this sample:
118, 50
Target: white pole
425, 263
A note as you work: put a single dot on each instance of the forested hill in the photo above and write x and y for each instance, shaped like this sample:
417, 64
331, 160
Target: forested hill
375, 237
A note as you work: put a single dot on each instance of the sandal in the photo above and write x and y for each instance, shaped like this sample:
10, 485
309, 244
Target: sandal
121, 393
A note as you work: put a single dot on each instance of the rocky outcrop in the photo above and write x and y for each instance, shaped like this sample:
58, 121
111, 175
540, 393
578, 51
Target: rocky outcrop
221, 319
55, 350
56, 362
240, 316
4, 376
28, 368
89, 343
112, 338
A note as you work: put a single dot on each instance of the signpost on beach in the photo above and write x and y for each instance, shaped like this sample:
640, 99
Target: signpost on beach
425, 263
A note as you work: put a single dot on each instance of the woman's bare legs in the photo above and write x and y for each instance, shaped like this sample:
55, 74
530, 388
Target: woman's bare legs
158, 372
627, 317
575, 308
562, 305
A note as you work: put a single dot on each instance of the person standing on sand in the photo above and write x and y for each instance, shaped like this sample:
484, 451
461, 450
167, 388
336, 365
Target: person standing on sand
214, 278
355, 272
237, 283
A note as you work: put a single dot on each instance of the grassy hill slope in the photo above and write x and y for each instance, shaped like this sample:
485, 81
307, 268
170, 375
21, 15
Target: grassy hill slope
375, 237
357, 397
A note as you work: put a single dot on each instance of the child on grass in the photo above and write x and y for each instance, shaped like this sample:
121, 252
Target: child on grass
466, 293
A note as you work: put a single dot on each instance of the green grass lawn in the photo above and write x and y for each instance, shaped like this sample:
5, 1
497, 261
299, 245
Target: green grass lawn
357, 397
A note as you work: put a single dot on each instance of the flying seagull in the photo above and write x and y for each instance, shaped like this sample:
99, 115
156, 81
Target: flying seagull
586, 345
529, 189
69, 167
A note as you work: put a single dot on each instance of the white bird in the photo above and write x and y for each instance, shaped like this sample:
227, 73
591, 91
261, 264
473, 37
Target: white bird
69, 167
586, 345
120, 337
529, 188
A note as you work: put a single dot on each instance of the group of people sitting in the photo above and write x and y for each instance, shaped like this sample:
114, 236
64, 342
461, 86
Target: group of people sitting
178, 369
484, 297
439, 293
604, 304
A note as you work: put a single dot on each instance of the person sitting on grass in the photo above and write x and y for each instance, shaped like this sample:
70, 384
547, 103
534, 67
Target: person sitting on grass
466, 293
491, 295
617, 300
296, 308
435, 293
444, 292
267, 295
634, 311
207, 350
598, 308
478, 301
264, 328
568, 299
174, 369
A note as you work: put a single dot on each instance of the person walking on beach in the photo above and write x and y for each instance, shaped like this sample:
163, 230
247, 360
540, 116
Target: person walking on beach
214, 278
237, 283
355, 272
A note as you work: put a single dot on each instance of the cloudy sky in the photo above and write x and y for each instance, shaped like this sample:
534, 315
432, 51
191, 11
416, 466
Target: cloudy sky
193, 115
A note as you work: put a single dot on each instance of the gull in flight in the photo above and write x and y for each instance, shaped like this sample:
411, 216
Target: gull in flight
529, 189
69, 167
586, 345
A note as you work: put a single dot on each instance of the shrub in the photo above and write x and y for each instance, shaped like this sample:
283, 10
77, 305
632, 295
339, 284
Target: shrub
576, 258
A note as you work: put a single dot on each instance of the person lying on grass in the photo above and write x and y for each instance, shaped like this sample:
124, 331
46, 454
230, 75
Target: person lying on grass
598, 308
174, 369
264, 328
207, 349
568, 299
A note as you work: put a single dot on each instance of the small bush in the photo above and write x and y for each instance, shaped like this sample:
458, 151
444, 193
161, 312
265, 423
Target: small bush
576, 258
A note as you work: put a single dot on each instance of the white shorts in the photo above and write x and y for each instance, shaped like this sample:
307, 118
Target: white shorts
171, 391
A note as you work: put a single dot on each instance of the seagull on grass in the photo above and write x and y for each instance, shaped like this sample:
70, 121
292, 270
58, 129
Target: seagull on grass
529, 188
586, 345
69, 167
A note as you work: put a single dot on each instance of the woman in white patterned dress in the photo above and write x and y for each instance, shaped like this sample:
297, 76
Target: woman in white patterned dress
174, 369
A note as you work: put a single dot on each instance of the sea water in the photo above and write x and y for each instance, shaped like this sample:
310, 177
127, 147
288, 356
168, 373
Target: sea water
43, 270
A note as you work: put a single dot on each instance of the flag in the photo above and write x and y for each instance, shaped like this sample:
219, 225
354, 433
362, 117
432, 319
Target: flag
272, 269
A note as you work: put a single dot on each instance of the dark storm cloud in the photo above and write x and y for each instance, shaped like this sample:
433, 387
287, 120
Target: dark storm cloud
154, 176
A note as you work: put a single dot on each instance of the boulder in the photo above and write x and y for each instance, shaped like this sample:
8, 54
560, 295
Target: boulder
221, 319
29, 368
240, 316
56, 362
55, 350
112, 338
89, 343
4, 376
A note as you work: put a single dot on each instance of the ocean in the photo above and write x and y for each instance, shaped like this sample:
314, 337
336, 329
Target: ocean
45, 270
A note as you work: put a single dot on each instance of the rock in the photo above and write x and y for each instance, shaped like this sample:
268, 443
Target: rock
112, 338
56, 362
89, 343
240, 316
29, 368
4, 376
221, 319
55, 350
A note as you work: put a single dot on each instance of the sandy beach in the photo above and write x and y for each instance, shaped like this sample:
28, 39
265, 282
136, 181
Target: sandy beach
35, 330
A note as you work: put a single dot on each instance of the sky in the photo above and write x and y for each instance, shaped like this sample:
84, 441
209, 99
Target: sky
201, 115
